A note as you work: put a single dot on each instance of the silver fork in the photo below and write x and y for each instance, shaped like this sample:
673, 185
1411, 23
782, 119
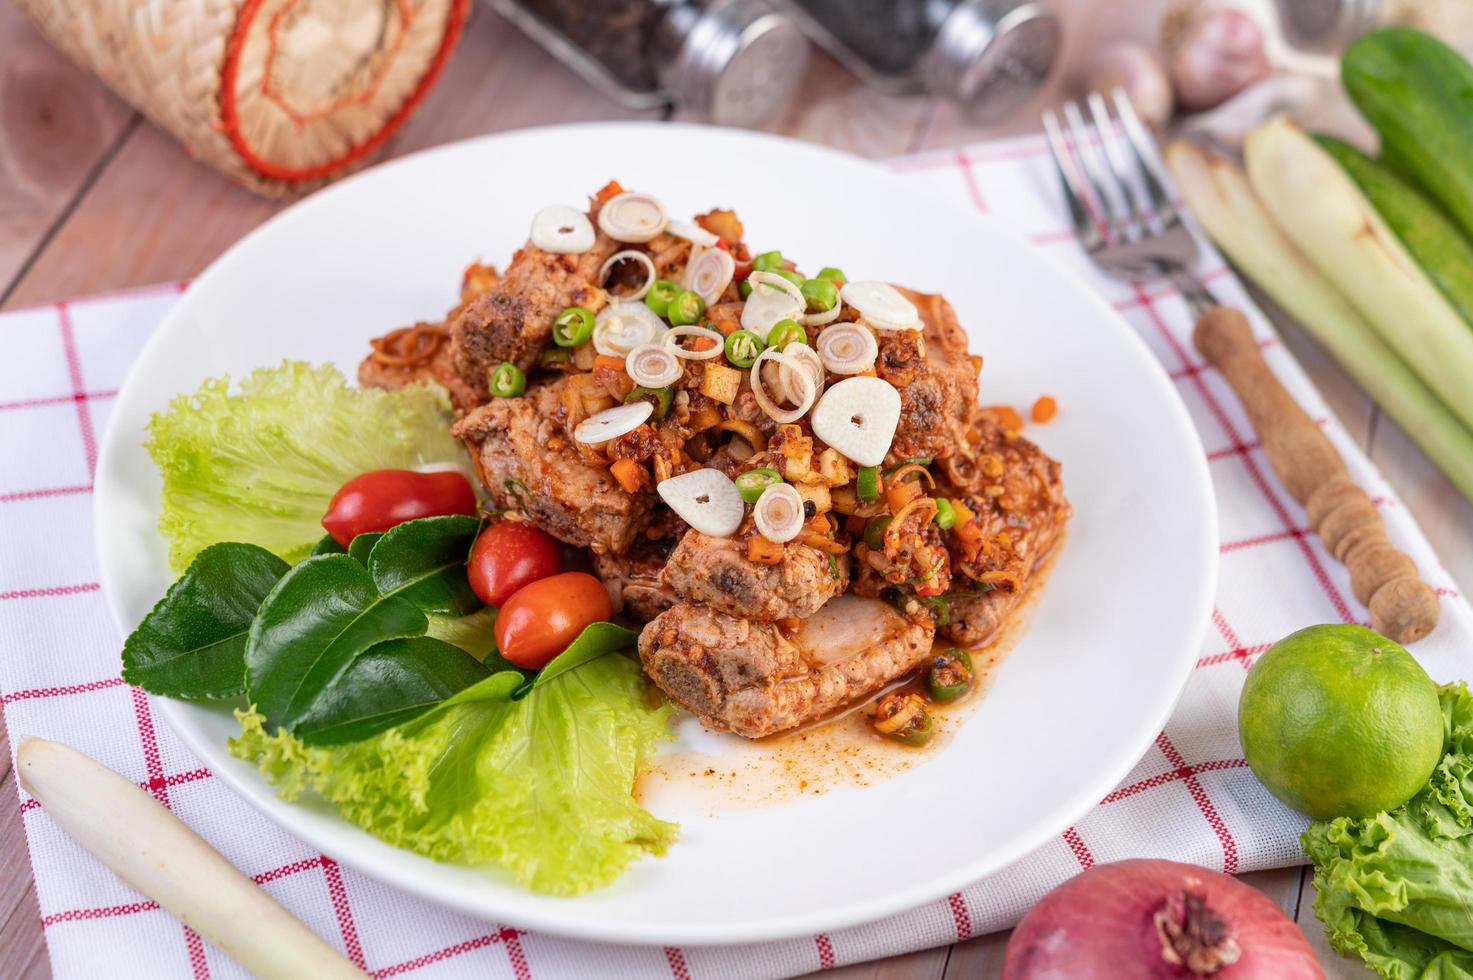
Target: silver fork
1121, 211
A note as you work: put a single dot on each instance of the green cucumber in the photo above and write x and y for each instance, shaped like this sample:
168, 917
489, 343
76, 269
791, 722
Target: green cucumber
1418, 93
1435, 242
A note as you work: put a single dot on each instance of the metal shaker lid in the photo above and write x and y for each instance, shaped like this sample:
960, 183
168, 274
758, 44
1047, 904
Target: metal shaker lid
991, 55
1327, 24
738, 62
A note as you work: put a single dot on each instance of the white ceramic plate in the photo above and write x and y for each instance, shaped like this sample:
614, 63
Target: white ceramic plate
1071, 709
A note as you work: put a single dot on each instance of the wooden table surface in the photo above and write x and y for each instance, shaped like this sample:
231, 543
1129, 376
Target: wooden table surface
94, 198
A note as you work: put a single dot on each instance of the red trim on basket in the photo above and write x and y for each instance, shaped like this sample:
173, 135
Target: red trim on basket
79, 390
1254, 472
825, 947
1199, 794
56, 692
960, 916
338, 893
1080, 849
675, 957
230, 117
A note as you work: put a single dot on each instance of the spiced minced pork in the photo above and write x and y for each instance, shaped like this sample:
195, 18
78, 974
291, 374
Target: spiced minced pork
733, 622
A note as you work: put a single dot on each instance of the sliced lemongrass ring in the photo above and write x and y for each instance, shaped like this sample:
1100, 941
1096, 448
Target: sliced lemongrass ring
653, 365
710, 273
858, 417
801, 378
779, 513
823, 316
634, 255
559, 228
882, 305
622, 326
847, 348
676, 335
614, 422
804, 359
706, 499
773, 298
692, 233
632, 217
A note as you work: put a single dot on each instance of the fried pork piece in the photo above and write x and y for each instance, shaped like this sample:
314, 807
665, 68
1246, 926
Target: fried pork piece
528, 462
512, 321
420, 353
936, 378
633, 579
1017, 494
716, 572
749, 678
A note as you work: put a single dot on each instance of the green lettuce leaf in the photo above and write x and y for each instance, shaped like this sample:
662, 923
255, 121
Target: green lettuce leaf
262, 464
1396, 888
540, 787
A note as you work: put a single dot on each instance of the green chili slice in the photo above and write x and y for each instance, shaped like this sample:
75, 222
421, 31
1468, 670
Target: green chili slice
685, 307
507, 380
785, 332
820, 294
572, 327
662, 397
751, 483
554, 356
660, 295
867, 485
742, 348
945, 514
833, 275
874, 532
768, 261
950, 675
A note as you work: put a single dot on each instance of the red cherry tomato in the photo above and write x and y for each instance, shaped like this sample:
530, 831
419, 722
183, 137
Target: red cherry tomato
381, 499
509, 555
541, 619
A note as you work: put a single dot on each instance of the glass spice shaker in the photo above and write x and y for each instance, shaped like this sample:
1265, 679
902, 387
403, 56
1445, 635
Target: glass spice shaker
736, 62
987, 55
1328, 25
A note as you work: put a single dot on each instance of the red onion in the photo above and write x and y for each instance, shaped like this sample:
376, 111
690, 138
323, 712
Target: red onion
1148, 918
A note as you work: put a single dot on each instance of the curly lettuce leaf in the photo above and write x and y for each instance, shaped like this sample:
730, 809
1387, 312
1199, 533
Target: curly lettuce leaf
261, 465
1396, 888
541, 786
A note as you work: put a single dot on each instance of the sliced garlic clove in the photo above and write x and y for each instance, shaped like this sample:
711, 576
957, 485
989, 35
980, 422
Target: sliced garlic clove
710, 273
858, 417
882, 305
779, 513
773, 298
632, 217
561, 229
693, 233
614, 422
706, 499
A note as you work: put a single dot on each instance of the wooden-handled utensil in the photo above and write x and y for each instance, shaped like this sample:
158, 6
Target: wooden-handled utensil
150, 849
1383, 578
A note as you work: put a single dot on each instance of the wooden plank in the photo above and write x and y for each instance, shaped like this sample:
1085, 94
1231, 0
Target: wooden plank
57, 127
155, 214
22, 946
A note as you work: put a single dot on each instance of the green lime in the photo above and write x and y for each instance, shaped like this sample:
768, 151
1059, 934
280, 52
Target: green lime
1338, 721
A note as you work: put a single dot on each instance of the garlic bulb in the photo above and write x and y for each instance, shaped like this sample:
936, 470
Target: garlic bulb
1213, 53
1140, 72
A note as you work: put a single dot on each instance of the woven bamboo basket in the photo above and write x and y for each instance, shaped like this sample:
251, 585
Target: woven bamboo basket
281, 95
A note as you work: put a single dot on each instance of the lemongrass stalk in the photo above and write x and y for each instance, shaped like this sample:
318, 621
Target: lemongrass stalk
1218, 194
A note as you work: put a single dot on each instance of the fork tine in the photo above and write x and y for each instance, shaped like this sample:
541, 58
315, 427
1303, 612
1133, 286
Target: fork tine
1138, 208
1089, 161
1143, 147
1084, 226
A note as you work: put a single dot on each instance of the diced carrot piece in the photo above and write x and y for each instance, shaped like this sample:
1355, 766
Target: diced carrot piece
629, 474
611, 189
899, 493
761, 551
1006, 415
1044, 409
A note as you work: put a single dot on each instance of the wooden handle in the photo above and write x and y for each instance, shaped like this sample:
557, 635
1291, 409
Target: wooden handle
1382, 577
147, 847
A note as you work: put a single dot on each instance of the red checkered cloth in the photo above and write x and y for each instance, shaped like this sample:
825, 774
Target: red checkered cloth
1190, 798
